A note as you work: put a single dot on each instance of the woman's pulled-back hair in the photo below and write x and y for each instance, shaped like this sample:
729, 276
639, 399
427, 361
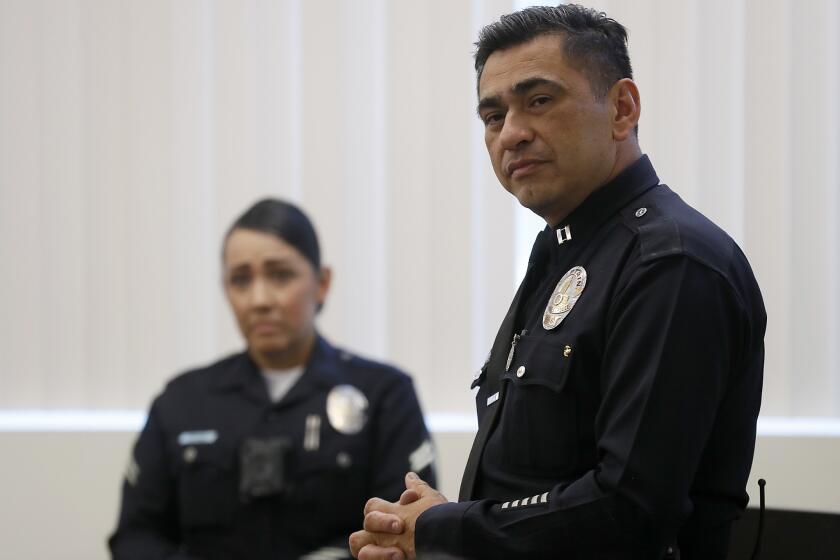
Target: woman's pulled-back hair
285, 221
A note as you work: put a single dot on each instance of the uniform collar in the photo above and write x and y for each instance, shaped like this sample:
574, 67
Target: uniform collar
323, 367
598, 207
322, 370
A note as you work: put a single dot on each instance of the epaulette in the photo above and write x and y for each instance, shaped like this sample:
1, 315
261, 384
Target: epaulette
659, 234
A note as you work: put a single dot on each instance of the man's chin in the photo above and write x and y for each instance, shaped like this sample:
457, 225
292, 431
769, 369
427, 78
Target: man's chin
531, 202
528, 193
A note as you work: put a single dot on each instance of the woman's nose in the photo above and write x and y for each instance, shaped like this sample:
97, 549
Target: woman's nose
259, 293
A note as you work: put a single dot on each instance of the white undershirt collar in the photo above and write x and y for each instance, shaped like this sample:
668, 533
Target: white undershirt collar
279, 381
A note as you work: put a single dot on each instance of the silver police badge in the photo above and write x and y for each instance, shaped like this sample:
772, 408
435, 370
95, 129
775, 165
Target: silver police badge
564, 297
347, 409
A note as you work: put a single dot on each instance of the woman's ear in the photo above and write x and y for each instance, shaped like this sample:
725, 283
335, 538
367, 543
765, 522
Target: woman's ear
324, 279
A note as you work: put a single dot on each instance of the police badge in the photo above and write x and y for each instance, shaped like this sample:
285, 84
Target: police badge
564, 297
347, 409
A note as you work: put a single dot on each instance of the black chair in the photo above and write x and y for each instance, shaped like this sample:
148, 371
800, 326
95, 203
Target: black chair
787, 535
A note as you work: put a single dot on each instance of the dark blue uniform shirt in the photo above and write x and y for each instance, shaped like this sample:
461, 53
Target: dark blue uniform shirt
182, 499
628, 426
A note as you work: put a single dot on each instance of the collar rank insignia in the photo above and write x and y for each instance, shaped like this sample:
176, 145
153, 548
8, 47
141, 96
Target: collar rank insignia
564, 297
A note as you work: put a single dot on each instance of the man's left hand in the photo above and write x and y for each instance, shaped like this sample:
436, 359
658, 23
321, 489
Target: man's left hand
389, 527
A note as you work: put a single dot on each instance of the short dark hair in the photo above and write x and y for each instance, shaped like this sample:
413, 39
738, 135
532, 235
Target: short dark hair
285, 221
593, 43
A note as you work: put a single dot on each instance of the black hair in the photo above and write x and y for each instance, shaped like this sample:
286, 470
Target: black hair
593, 43
285, 221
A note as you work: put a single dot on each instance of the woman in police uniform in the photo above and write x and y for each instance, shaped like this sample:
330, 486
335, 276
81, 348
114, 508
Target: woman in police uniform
270, 453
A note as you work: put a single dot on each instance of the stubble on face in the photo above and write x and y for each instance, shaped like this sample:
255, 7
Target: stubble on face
548, 135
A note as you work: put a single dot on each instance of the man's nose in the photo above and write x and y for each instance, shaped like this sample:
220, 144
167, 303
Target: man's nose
516, 131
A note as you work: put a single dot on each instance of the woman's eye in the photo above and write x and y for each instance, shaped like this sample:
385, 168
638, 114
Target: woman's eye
240, 280
281, 275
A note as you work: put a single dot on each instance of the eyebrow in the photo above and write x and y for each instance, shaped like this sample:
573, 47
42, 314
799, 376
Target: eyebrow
237, 267
269, 262
518, 89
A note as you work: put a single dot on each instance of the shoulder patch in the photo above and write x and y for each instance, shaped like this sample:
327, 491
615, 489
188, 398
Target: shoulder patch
132, 471
659, 238
422, 457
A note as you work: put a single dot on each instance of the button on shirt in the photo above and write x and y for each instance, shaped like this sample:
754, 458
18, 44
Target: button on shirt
636, 413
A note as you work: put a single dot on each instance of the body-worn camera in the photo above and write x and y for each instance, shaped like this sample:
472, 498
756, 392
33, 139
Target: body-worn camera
262, 467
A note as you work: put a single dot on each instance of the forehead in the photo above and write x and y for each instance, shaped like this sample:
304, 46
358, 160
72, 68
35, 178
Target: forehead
246, 245
541, 57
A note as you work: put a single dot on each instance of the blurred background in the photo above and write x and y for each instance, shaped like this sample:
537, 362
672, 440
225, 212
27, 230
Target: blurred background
132, 132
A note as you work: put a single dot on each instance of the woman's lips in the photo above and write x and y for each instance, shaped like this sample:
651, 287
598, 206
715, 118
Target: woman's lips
264, 328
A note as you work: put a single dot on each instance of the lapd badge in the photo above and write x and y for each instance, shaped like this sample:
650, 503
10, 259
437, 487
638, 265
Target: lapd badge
564, 297
347, 409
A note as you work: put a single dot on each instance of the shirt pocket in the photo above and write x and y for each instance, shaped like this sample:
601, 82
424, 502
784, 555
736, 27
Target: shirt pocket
331, 485
207, 486
539, 423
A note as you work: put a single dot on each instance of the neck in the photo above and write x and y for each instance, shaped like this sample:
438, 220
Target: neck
287, 358
626, 154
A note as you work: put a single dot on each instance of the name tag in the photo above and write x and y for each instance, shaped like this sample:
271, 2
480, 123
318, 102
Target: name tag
492, 398
198, 437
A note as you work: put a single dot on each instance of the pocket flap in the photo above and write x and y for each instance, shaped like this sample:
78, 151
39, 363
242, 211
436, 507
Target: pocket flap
215, 455
537, 361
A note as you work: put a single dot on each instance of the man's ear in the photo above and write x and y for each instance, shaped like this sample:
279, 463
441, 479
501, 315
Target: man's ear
626, 106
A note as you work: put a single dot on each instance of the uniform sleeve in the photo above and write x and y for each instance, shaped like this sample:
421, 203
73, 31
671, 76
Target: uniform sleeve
147, 528
402, 442
672, 336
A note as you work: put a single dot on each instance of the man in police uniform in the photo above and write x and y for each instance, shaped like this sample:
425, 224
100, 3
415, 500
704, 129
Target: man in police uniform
617, 410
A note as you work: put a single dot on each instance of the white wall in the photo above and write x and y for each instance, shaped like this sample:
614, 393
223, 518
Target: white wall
132, 132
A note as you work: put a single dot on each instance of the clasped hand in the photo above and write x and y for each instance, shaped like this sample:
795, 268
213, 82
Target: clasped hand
389, 526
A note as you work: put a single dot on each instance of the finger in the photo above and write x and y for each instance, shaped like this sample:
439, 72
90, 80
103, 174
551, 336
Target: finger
409, 497
414, 482
374, 552
378, 522
359, 540
421, 487
378, 504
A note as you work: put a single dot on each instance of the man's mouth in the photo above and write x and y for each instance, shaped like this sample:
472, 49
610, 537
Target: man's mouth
523, 167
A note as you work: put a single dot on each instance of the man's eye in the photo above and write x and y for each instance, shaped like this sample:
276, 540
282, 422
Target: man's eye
540, 100
493, 118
